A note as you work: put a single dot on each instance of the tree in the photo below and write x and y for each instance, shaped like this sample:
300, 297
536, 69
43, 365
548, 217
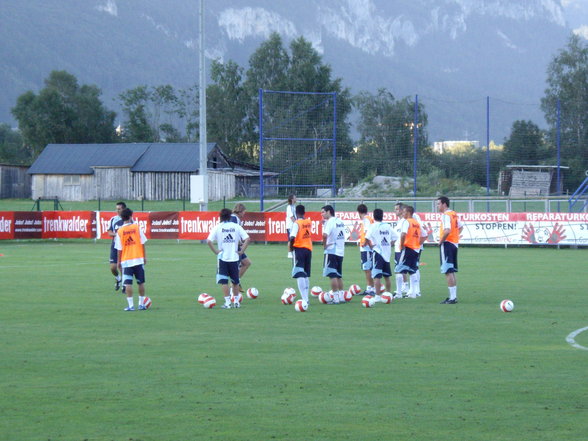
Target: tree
11, 146
567, 80
386, 127
525, 145
63, 112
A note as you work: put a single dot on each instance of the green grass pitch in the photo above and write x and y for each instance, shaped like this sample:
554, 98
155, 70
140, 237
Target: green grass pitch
74, 366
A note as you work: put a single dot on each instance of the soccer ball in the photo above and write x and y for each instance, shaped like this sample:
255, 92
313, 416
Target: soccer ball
300, 306
386, 297
354, 289
202, 298
368, 302
288, 298
506, 305
147, 303
347, 296
316, 291
252, 293
290, 291
209, 303
238, 298
325, 297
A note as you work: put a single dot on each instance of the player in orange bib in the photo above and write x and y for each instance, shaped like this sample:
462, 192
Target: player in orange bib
412, 237
130, 243
301, 248
449, 232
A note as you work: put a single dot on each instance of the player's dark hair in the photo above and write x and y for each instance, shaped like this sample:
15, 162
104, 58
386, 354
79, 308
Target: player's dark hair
399, 204
300, 210
126, 214
409, 208
329, 208
122, 204
291, 199
379, 214
225, 215
443, 200
239, 208
362, 209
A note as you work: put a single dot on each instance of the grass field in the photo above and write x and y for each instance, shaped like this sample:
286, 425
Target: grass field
74, 366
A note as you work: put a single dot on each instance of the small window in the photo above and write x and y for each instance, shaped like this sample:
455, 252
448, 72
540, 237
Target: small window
71, 180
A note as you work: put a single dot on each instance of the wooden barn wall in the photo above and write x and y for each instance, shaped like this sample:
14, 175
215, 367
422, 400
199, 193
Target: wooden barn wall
15, 182
221, 184
112, 183
50, 186
156, 186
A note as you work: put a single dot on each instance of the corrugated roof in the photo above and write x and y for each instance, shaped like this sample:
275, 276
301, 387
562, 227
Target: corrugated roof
78, 159
171, 157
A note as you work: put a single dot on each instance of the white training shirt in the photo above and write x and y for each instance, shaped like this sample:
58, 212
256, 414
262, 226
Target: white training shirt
334, 228
228, 235
290, 213
382, 235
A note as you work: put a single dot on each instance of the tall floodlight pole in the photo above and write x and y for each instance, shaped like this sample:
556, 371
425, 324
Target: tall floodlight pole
203, 168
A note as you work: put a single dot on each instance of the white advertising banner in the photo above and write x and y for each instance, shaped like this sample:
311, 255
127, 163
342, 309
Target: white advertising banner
498, 228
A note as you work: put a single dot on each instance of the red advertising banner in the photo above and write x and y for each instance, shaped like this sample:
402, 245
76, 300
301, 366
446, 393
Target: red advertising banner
6, 225
196, 225
28, 224
68, 225
276, 226
163, 225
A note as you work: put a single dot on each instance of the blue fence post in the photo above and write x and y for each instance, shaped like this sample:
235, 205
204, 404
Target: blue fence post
487, 152
261, 149
558, 143
415, 146
334, 166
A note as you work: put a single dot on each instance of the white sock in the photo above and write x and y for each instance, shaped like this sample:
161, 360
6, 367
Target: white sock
118, 278
452, 292
415, 286
227, 300
418, 274
141, 300
399, 281
130, 302
303, 285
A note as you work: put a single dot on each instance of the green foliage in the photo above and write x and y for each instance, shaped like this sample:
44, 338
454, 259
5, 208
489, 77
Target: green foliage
567, 82
11, 146
63, 112
526, 144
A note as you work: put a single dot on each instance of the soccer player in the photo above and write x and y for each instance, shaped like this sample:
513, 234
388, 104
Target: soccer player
244, 261
290, 218
401, 280
334, 243
381, 237
130, 243
113, 225
300, 246
449, 232
364, 248
228, 235
412, 236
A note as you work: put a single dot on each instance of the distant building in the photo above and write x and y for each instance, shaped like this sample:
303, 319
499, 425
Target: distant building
448, 146
530, 180
15, 183
151, 171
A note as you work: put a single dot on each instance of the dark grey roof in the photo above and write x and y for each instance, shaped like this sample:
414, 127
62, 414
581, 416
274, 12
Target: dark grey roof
78, 159
171, 157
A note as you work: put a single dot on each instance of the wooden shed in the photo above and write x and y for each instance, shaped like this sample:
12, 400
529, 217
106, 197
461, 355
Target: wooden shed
15, 182
151, 171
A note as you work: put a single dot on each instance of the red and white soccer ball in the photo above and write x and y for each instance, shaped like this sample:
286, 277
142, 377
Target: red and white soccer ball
347, 296
237, 299
316, 291
290, 291
368, 302
300, 306
506, 305
209, 303
386, 297
202, 298
147, 303
252, 293
354, 289
288, 298
325, 297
